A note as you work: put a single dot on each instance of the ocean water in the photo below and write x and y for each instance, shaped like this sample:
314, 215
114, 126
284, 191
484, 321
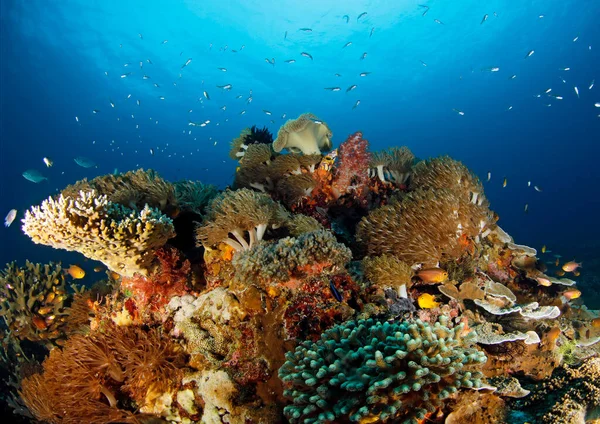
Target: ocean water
60, 60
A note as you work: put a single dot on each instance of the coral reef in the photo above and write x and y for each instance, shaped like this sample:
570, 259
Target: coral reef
370, 371
304, 134
393, 165
123, 239
194, 196
352, 174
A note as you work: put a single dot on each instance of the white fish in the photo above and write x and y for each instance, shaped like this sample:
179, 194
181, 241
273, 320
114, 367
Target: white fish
576, 38
10, 217
564, 69
576, 91
138, 102
529, 53
548, 90
165, 41
187, 62
266, 112
509, 108
597, 104
283, 116
526, 207
460, 112
111, 103
591, 85
242, 112
84, 162
437, 21
356, 104
537, 189
528, 183
563, 80
206, 95
152, 151
161, 97
125, 75
77, 118
512, 76
489, 176
129, 96
222, 69
48, 162
223, 107
34, 176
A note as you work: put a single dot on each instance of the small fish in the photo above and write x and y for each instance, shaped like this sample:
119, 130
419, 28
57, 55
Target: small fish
576, 91
596, 323
541, 16
509, 108
529, 53
34, 176
333, 88
249, 100
543, 281
356, 104
266, 112
571, 294
576, 38
95, 111
151, 152
48, 162
99, 268
484, 19
138, 102
547, 91
77, 118
364, 55
141, 64
149, 61
339, 75
206, 96
570, 266
76, 272
576, 273
352, 87
187, 62
556, 96
460, 112
490, 69
597, 104
347, 18
10, 217
125, 75
361, 15
222, 69
437, 21
371, 33
489, 176
238, 96
427, 301
349, 43
306, 29
563, 80
225, 87
156, 85
560, 273
364, 74
145, 77
290, 61
283, 116
112, 104
335, 292
544, 249
285, 35
591, 85
564, 69
129, 96
141, 37
512, 76
526, 208
114, 276
306, 55
557, 262
223, 107
536, 188
423, 63
165, 41
432, 275
504, 182
242, 112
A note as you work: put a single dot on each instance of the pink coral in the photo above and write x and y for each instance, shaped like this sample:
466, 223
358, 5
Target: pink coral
352, 173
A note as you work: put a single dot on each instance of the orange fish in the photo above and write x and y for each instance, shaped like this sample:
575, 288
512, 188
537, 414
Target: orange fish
543, 281
76, 272
114, 276
596, 323
432, 275
560, 273
571, 294
553, 334
576, 273
570, 266
39, 322
557, 262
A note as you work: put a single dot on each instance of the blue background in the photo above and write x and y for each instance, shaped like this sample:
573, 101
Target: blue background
54, 56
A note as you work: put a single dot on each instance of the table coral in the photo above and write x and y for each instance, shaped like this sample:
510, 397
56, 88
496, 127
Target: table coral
369, 371
123, 239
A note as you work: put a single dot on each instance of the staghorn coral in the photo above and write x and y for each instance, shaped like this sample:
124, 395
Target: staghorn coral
388, 272
427, 226
392, 165
352, 172
234, 213
194, 196
121, 238
368, 371
305, 134
134, 189
311, 253
33, 301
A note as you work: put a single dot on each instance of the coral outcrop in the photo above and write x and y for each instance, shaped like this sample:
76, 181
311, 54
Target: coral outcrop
304, 134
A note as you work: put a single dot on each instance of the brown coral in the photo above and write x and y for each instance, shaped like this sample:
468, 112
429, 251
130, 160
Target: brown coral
306, 135
392, 165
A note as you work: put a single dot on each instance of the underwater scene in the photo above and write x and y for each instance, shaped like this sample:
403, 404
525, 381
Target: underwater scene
260, 211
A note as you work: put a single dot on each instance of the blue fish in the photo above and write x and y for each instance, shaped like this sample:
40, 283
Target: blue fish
335, 292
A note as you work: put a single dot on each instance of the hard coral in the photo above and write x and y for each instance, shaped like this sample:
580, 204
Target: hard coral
240, 218
315, 253
34, 301
123, 239
368, 371
352, 172
306, 135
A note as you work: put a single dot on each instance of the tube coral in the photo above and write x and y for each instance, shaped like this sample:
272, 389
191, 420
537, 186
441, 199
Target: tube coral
306, 135
239, 218
352, 172
123, 239
368, 371
34, 301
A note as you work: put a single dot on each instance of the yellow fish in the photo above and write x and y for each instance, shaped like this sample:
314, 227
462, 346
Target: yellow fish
76, 272
543, 281
432, 275
596, 323
504, 182
115, 276
570, 266
427, 301
571, 294
544, 249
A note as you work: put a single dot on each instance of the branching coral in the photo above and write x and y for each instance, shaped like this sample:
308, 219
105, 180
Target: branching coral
352, 172
123, 239
134, 189
239, 218
83, 381
392, 165
306, 135
427, 226
194, 196
311, 253
368, 371
34, 301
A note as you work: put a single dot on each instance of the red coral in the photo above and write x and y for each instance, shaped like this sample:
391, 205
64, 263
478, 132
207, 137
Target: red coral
352, 172
155, 291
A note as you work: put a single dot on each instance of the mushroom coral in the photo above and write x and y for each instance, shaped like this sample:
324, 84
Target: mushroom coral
392, 165
123, 239
133, 189
427, 226
33, 301
317, 252
234, 213
305, 134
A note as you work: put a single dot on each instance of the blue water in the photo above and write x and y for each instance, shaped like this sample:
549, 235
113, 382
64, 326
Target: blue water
54, 56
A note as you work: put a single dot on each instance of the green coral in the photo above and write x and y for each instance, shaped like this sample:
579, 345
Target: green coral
369, 371
288, 257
